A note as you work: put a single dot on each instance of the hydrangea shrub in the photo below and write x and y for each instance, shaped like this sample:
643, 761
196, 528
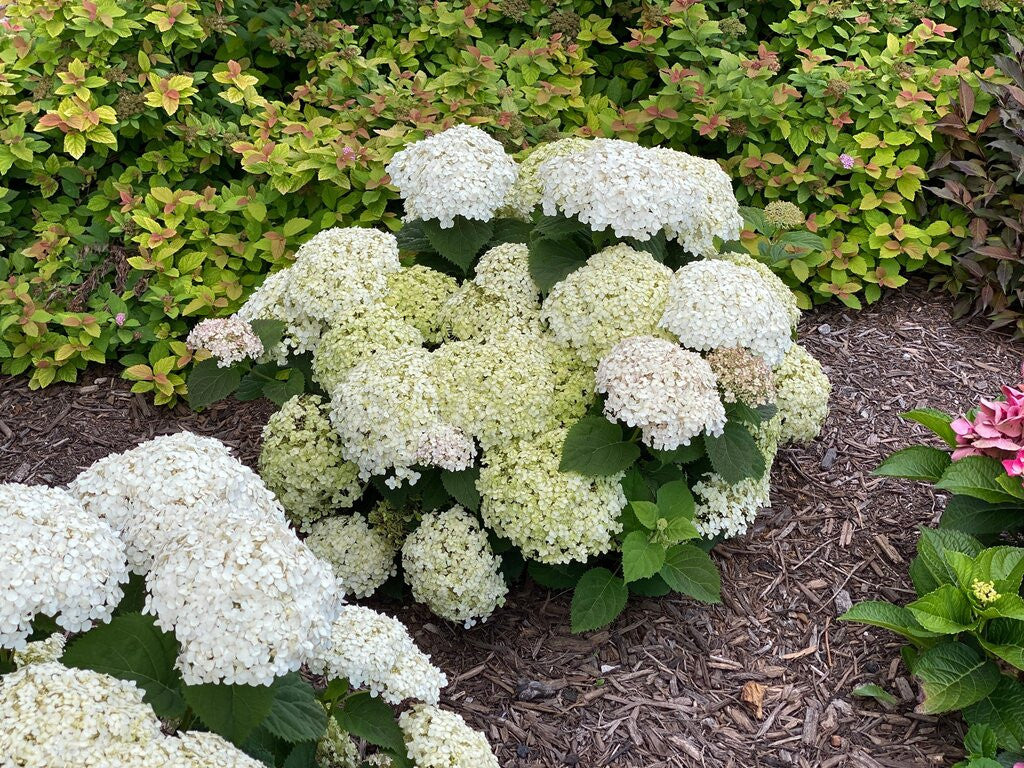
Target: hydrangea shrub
599, 396
161, 611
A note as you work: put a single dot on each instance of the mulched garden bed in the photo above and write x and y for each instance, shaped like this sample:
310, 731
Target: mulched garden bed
666, 684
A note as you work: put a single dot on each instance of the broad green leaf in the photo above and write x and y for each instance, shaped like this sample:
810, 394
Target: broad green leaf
560, 576
131, 647
462, 487
981, 518
599, 597
652, 587
280, 392
270, 332
690, 570
552, 260
981, 741
595, 447
232, 711
295, 714
919, 462
931, 555
641, 557
975, 476
558, 227
412, 237
208, 383
734, 454
684, 454
954, 676
511, 231
1003, 711
646, 512
1012, 486
461, 242
873, 691
1000, 564
371, 718
301, 756
935, 420
1006, 606
1011, 654
675, 500
635, 486
945, 611
895, 618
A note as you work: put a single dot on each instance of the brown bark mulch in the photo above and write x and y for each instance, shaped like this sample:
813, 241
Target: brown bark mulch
672, 682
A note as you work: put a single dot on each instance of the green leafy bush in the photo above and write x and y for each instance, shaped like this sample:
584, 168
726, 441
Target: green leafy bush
156, 163
982, 174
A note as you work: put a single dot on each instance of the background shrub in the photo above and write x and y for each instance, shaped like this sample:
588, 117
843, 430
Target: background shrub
157, 160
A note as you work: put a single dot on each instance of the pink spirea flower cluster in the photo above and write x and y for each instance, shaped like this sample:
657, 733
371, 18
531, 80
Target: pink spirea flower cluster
996, 429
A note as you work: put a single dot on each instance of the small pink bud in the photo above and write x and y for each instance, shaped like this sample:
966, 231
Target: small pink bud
119, 318
348, 154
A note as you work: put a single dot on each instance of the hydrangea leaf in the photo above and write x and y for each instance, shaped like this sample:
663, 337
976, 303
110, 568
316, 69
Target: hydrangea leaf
1002, 710
552, 260
233, 711
945, 611
371, 718
552, 576
462, 487
690, 571
595, 447
734, 454
599, 597
641, 557
980, 518
461, 242
876, 692
675, 500
935, 420
208, 383
919, 462
954, 676
295, 714
646, 512
975, 476
895, 618
270, 332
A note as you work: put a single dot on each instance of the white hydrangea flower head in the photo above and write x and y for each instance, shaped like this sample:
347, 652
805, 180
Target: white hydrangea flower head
417, 294
460, 171
803, 392
670, 393
152, 492
208, 750
336, 749
40, 651
436, 738
247, 602
575, 384
449, 566
362, 558
552, 516
446, 447
269, 302
525, 195
56, 559
495, 391
229, 339
783, 295
742, 376
53, 716
504, 271
472, 313
355, 336
639, 192
381, 410
714, 303
301, 462
618, 293
374, 651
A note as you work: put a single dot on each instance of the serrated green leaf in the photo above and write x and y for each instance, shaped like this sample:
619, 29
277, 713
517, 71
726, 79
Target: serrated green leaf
552, 260
371, 718
233, 711
1003, 711
895, 618
596, 447
131, 647
689, 570
462, 487
975, 476
945, 611
598, 598
734, 454
684, 454
953, 677
641, 557
412, 238
555, 576
295, 714
270, 332
558, 227
646, 512
919, 462
461, 242
981, 518
675, 500
935, 420
208, 383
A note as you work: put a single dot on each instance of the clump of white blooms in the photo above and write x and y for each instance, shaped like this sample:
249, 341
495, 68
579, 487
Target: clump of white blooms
803, 392
301, 462
504, 271
357, 335
436, 738
336, 749
245, 608
474, 313
40, 651
417, 294
783, 296
450, 567
202, 749
714, 303
525, 194
362, 558
375, 651
618, 293
381, 410
460, 171
639, 192
335, 271
150, 493
446, 447
742, 376
552, 516
56, 559
670, 393
229, 339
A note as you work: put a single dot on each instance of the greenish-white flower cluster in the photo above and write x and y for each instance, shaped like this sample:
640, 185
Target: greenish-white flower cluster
451, 569
362, 558
803, 392
416, 294
436, 738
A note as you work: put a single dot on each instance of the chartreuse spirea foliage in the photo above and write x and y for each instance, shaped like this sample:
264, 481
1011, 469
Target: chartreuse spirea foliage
562, 371
191, 607
156, 161
966, 627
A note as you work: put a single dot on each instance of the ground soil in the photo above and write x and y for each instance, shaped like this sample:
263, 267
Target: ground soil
664, 686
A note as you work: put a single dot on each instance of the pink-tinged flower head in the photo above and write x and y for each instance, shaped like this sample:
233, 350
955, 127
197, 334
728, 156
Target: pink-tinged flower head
1014, 467
119, 318
229, 339
996, 430
846, 161
348, 154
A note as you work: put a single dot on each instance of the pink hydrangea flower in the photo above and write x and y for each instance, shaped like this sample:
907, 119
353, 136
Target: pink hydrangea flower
1015, 468
996, 430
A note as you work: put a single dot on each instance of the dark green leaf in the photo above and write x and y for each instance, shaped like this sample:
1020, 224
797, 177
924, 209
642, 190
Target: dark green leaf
208, 382
270, 332
981, 518
552, 260
690, 571
462, 487
1003, 711
301, 756
652, 587
558, 227
295, 715
371, 718
975, 476
954, 676
635, 486
511, 231
233, 711
280, 392
684, 454
560, 576
461, 242
412, 238
919, 462
641, 557
598, 598
131, 647
675, 500
981, 741
935, 420
734, 454
595, 447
